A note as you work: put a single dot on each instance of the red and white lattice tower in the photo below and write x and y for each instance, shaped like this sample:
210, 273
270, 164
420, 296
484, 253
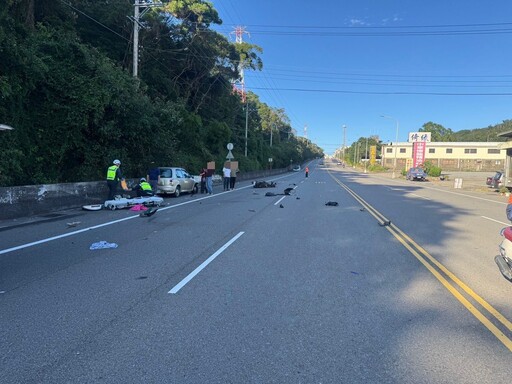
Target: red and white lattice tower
239, 85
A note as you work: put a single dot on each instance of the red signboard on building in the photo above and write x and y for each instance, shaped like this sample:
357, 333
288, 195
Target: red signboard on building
418, 153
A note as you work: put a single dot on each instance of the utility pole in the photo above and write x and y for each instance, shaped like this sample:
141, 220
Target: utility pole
366, 155
136, 28
343, 149
246, 124
396, 142
239, 86
271, 130
137, 14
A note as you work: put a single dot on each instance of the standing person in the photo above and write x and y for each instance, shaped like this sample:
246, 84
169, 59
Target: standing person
203, 180
232, 179
143, 188
209, 180
227, 176
152, 179
307, 171
113, 176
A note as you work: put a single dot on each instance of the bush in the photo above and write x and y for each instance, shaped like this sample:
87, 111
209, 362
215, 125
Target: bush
432, 170
376, 168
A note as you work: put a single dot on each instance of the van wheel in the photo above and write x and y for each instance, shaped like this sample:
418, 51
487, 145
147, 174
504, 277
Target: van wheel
177, 191
195, 190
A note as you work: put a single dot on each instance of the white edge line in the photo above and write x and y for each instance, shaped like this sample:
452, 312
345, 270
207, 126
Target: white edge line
48, 239
63, 235
421, 197
496, 221
446, 191
278, 201
192, 274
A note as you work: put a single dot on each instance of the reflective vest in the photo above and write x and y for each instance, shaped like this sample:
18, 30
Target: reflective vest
111, 172
145, 186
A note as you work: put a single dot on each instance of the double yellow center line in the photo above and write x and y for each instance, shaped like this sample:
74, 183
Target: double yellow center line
453, 284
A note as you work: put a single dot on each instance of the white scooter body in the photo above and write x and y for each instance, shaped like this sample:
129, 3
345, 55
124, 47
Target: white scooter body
504, 259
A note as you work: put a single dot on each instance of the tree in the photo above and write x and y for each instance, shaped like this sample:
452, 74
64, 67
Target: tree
437, 131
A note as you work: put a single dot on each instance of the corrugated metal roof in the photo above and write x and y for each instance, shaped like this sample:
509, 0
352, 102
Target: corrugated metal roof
505, 134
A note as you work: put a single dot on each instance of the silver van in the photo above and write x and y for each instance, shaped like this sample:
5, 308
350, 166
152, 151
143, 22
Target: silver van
174, 181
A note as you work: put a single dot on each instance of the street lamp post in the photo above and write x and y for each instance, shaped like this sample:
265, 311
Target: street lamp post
343, 148
366, 155
355, 153
246, 124
396, 141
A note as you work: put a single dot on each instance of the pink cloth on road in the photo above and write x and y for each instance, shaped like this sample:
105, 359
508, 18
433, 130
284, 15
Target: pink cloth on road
138, 207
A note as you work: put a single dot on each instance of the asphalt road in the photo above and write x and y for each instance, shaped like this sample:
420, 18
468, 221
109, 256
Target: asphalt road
396, 284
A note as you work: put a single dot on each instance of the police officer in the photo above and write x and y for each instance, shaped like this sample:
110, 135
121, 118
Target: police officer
113, 176
143, 188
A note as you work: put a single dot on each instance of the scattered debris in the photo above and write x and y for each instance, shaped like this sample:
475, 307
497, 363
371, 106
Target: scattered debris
354, 273
332, 203
94, 207
361, 209
149, 212
102, 245
286, 192
264, 184
138, 207
385, 223
281, 206
73, 224
252, 210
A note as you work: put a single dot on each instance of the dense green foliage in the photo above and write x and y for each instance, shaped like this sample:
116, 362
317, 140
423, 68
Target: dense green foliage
360, 150
442, 134
67, 88
431, 169
484, 134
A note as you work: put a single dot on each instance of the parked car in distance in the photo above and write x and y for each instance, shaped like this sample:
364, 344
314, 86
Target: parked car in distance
174, 181
416, 173
495, 181
296, 168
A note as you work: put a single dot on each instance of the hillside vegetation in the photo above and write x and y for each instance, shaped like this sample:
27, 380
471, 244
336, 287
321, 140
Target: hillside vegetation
66, 86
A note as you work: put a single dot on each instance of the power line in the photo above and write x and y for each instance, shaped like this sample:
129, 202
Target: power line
378, 31
94, 20
409, 83
382, 26
287, 70
388, 93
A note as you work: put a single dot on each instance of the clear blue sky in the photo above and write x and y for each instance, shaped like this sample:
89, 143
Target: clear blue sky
334, 63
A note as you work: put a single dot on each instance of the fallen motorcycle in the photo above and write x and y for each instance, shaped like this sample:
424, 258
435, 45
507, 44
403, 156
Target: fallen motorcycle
504, 259
130, 202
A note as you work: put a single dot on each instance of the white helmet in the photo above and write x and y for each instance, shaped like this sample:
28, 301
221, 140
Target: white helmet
117, 162
142, 179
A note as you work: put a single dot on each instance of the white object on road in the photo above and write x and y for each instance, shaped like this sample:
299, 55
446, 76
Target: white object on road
102, 245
